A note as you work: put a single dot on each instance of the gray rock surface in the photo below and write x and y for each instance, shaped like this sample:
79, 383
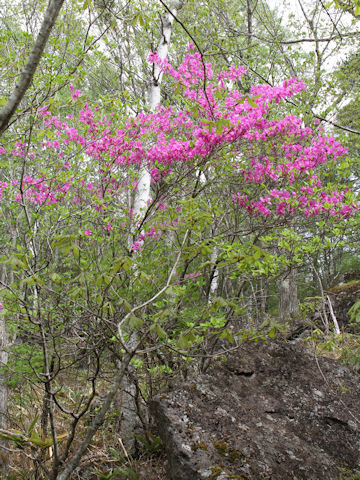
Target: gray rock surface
270, 411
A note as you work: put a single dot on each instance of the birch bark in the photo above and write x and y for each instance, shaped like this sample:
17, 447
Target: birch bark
143, 190
3, 393
288, 294
129, 418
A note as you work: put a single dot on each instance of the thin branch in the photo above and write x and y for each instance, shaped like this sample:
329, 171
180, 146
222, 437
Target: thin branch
160, 292
196, 45
98, 419
331, 20
334, 319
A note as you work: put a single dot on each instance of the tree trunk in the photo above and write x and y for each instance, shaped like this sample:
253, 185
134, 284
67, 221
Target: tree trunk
27, 74
288, 295
4, 462
129, 418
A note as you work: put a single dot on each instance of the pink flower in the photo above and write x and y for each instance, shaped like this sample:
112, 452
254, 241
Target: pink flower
136, 246
76, 94
88, 232
1, 306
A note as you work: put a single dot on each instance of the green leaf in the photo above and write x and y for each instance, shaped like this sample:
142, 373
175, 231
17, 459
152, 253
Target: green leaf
135, 19
181, 342
160, 331
32, 425
55, 277
16, 263
252, 103
75, 292
272, 333
170, 291
127, 306
76, 250
227, 334
135, 322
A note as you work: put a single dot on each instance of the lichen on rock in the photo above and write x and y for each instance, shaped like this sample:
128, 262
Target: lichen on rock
295, 417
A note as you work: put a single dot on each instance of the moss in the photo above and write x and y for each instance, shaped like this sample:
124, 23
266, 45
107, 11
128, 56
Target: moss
217, 471
221, 447
201, 446
345, 287
348, 474
227, 450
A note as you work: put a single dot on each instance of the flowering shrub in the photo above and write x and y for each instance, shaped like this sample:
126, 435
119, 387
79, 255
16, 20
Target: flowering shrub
222, 143
226, 168
219, 123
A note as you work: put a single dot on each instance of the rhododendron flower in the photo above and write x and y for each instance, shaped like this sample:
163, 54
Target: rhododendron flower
88, 232
193, 275
136, 246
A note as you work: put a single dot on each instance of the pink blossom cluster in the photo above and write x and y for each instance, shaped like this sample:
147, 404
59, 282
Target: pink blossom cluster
3, 186
74, 92
150, 234
38, 191
285, 202
219, 120
193, 275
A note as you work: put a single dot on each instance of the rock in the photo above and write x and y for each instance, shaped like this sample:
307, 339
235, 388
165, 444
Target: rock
343, 298
270, 411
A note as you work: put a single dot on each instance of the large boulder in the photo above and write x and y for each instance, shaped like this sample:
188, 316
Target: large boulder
269, 411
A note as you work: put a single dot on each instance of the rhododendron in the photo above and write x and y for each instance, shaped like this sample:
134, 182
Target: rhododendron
269, 163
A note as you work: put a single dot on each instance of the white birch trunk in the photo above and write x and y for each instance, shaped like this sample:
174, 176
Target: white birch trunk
27, 74
334, 319
3, 392
215, 279
143, 190
4, 389
129, 417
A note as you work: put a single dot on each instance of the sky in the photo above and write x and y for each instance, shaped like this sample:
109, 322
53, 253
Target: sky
285, 8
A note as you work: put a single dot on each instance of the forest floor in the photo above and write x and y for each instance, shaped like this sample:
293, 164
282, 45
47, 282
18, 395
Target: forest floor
152, 468
105, 459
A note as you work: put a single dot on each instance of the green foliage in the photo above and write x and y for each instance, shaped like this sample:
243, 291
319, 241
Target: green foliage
151, 444
25, 361
348, 475
123, 472
353, 5
354, 312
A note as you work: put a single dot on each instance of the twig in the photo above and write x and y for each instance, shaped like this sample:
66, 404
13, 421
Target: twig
27, 74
